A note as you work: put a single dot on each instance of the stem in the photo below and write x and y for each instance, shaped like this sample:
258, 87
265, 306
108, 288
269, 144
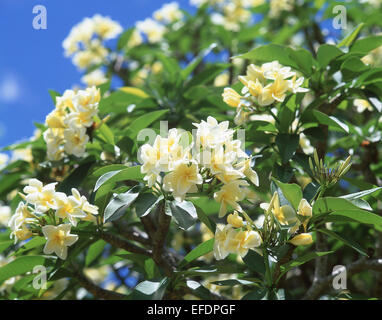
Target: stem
268, 274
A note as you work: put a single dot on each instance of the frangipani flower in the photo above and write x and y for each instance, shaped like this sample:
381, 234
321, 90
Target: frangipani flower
235, 220
68, 208
182, 180
58, 239
230, 194
43, 197
302, 239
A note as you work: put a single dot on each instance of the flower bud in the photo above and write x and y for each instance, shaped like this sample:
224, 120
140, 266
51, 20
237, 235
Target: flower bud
231, 97
304, 208
235, 220
302, 239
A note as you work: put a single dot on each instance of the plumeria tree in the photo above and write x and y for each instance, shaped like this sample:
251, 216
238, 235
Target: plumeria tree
228, 153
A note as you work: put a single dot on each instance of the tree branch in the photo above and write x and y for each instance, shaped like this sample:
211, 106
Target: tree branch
95, 290
160, 238
123, 244
356, 267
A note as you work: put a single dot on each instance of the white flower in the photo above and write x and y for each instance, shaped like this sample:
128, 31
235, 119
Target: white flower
5, 215
230, 194
210, 133
152, 29
94, 78
105, 27
89, 209
362, 105
183, 180
75, 141
58, 239
3, 160
43, 197
68, 208
168, 13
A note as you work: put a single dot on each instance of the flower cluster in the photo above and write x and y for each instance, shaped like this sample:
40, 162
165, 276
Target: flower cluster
43, 207
213, 157
270, 83
69, 121
230, 14
85, 41
233, 238
278, 6
154, 29
287, 216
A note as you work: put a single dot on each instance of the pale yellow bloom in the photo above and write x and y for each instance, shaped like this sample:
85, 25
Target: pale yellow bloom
169, 13
235, 220
24, 154
362, 105
58, 239
5, 215
94, 78
231, 97
246, 169
182, 180
230, 194
68, 208
75, 141
43, 197
105, 27
152, 29
222, 80
302, 239
240, 242
304, 208
3, 160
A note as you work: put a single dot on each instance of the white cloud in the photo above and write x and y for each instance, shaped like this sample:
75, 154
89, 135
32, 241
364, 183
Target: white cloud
9, 89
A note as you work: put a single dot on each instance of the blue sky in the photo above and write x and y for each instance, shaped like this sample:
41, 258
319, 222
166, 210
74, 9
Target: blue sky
32, 61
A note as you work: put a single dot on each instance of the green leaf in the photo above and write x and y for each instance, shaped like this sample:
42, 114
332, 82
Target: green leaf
367, 44
124, 38
31, 244
258, 294
207, 74
106, 133
347, 42
54, 94
113, 167
233, 282
348, 242
287, 144
357, 215
255, 262
119, 204
292, 192
199, 251
330, 204
184, 213
196, 61
204, 218
300, 261
143, 122
150, 290
130, 173
146, 203
360, 194
326, 53
77, 176
4, 245
299, 59
20, 266
330, 121
94, 251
